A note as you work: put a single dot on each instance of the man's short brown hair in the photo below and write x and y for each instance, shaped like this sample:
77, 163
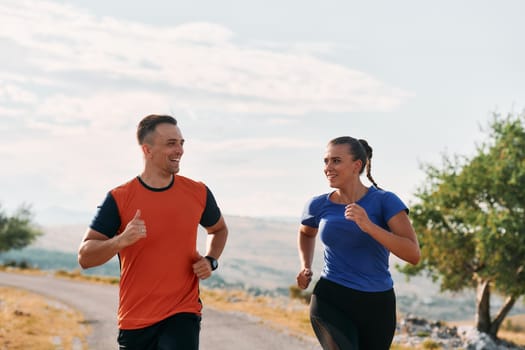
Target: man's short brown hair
148, 124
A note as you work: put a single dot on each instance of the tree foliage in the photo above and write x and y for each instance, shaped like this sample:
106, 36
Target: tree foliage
17, 231
470, 220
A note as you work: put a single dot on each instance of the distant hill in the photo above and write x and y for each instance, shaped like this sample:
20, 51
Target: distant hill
261, 257
62, 216
65, 234
64, 238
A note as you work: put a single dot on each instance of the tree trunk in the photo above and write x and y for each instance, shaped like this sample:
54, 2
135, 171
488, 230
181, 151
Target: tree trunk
483, 323
502, 313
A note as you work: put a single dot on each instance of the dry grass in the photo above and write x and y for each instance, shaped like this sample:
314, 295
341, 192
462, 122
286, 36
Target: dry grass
293, 314
280, 313
30, 321
25, 271
77, 275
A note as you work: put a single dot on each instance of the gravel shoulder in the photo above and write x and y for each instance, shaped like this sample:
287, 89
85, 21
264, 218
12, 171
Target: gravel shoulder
98, 302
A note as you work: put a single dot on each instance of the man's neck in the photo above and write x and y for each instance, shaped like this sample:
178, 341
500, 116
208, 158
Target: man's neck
156, 180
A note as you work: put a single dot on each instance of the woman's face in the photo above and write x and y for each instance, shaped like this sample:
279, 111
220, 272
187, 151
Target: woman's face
339, 166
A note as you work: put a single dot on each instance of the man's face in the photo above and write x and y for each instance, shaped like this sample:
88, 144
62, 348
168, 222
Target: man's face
165, 148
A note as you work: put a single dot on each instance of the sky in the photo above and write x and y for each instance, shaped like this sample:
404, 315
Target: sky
258, 89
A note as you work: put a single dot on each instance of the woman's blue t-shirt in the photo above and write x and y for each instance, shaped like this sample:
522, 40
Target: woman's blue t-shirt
351, 257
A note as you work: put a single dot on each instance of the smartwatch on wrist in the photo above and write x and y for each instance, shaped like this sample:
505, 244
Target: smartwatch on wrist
213, 262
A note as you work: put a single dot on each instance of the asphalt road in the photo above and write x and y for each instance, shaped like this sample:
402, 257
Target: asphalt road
98, 303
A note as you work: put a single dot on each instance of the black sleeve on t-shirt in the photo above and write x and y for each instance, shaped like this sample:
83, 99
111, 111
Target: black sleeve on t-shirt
212, 213
107, 218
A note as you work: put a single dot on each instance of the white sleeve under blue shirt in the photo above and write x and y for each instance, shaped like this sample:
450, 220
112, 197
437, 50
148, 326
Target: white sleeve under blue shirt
351, 257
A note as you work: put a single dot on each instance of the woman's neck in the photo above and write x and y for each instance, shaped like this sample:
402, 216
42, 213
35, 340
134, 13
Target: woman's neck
350, 194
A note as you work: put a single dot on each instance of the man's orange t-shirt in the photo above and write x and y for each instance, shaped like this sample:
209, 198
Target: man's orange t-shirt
157, 278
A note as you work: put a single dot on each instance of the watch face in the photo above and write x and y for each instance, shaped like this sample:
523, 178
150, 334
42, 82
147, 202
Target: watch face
213, 262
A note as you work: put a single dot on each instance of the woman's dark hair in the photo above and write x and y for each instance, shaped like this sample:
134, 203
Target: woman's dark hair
359, 149
148, 124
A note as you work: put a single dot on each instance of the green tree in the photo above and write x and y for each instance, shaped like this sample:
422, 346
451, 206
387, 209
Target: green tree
470, 220
17, 231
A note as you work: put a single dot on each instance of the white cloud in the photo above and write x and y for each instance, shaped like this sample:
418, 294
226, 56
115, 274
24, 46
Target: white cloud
14, 94
201, 59
203, 33
255, 144
102, 111
22, 78
9, 112
83, 82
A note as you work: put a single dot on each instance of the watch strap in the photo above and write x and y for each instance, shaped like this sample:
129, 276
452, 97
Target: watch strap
213, 262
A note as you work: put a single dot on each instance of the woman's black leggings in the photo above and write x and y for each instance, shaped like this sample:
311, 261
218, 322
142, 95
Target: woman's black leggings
348, 319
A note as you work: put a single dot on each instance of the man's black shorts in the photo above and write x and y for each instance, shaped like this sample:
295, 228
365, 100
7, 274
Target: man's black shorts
177, 332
